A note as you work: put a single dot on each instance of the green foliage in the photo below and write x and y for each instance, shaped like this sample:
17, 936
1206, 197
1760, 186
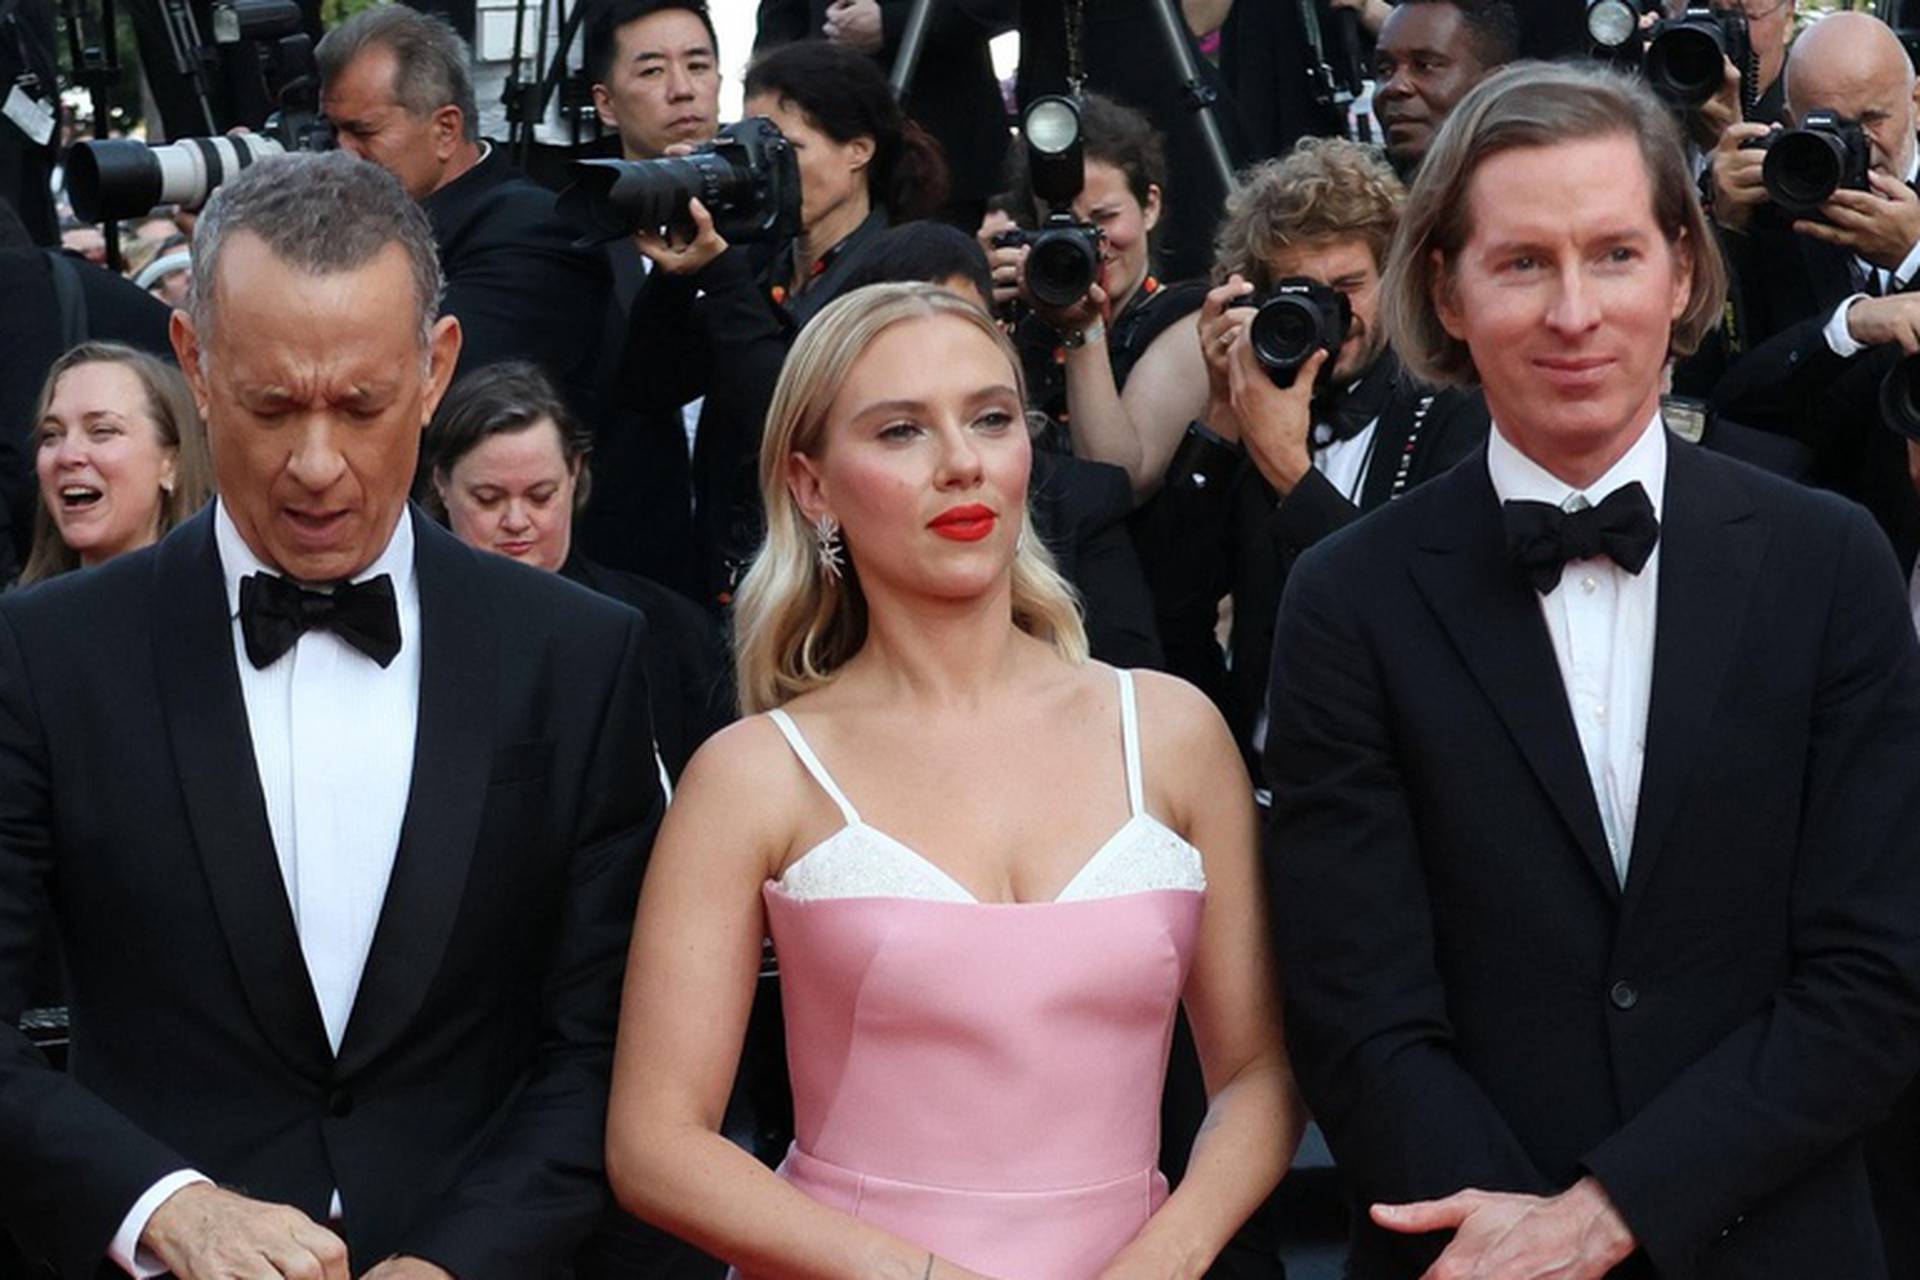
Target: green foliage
334, 12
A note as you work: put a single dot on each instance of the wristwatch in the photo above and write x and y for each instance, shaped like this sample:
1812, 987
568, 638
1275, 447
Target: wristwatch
1074, 339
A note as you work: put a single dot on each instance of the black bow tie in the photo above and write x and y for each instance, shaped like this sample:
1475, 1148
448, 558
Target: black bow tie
1542, 537
276, 612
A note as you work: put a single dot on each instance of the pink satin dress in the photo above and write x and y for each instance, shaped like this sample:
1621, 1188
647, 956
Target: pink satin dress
984, 1079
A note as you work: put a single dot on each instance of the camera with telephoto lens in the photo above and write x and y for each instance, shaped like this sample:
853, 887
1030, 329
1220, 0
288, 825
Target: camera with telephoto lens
1296, 318
747, 178
1683, 58
123, 178
1063, 253
1806, 165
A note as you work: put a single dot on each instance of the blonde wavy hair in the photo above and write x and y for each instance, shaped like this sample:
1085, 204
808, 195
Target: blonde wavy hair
1324, 189
793, 626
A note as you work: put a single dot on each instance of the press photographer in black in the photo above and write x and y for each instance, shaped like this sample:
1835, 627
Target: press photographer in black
1310, 418
1114, 364
395, 86
861, 165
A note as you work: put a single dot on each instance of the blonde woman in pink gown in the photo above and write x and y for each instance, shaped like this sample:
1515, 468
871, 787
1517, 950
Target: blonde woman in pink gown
991, 870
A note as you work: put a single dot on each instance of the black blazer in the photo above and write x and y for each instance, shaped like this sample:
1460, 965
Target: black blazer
1473, 1000
520, 287
1218, 528
1080, 511
463, 1119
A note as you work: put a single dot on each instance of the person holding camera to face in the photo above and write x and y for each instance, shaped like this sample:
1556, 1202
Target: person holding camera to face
1836, 295
1310, 418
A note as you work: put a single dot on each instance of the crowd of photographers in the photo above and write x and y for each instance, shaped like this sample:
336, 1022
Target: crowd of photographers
1207, 408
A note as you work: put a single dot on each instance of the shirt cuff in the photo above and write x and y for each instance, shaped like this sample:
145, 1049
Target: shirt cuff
1840, 339
1909, 267
125, 1251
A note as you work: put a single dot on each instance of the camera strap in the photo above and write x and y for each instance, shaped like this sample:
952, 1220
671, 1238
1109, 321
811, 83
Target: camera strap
1403, 469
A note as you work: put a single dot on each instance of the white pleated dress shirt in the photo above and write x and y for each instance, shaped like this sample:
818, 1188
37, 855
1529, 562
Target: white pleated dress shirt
333, 735
1601, 622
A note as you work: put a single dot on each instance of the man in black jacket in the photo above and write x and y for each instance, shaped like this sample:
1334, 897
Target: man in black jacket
1274, 469
1596, 766
342, 823
395, 84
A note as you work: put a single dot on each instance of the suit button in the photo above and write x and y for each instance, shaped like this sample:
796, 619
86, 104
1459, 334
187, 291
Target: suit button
340, 1104
1623, 996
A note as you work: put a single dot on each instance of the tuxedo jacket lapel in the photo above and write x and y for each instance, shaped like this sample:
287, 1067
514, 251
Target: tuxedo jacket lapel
452, 752
212, 746
1493, 617
1710, 553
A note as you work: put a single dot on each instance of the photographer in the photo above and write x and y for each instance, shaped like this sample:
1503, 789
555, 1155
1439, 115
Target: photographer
396, 87
656, 81
1118, 367
1270, 470
862, 165
1851, 66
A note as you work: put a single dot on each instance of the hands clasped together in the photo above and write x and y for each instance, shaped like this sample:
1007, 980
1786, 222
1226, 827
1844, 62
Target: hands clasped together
204, 1232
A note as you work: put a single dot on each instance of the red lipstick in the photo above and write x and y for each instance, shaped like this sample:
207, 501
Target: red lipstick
964, 524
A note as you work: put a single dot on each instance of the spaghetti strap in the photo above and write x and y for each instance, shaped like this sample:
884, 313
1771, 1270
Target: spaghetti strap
1130, 739
791, 732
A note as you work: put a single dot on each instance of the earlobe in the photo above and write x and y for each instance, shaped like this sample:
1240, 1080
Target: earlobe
186, 350
803, 482
603, 106
1152, 210
1440, 294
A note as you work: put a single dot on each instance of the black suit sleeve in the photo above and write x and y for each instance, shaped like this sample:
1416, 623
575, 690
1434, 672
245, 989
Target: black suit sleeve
1366, 1011
1777, 385
71, 1166
1837, 1043
781, 21
538, 1187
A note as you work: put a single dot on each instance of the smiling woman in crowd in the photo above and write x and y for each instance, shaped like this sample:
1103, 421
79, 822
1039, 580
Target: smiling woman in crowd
121, 457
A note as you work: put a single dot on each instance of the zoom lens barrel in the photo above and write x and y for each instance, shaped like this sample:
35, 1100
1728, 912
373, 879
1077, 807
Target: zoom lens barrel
1686, 62
122, 178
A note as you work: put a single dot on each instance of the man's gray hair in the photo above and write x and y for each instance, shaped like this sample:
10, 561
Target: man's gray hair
431, 60
324, 214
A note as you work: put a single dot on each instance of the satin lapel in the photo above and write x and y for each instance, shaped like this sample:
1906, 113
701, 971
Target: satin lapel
213, 752
451, 755
1493, 618
1710, 552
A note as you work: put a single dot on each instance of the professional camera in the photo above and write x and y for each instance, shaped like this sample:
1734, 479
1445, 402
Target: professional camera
1806, 165
1682, 58
1298, 317
1063, 258
1900, 398
747, 178
123, 178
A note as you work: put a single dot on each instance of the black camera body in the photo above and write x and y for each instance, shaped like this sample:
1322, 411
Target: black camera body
1296, 318
747, 178
1063, 258
1683, 58
1806, 165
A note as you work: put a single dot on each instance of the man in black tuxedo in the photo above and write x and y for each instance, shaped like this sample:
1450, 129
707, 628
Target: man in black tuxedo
1593, 811
395, 85
1273, 470
341, 823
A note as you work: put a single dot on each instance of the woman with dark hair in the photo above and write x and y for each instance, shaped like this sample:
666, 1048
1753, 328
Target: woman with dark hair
1119, 370
509, 468
863, 163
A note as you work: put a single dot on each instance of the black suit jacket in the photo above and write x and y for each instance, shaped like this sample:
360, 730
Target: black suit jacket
1472, 998
463, 1119
520, 287
1218, 529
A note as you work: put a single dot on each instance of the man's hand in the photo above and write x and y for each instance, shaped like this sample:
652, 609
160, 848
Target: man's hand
203, 1232
676, 254
1739, 186
1882, 225
1274, 421
1219, 325
1576, 1235
1710, 122
856, 24
407, 1269
1876, 322
1373, 13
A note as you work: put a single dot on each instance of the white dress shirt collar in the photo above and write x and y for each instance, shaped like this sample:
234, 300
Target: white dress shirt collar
1516, 476
237, 559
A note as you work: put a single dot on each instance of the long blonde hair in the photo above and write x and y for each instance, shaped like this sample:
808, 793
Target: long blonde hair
794, 626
